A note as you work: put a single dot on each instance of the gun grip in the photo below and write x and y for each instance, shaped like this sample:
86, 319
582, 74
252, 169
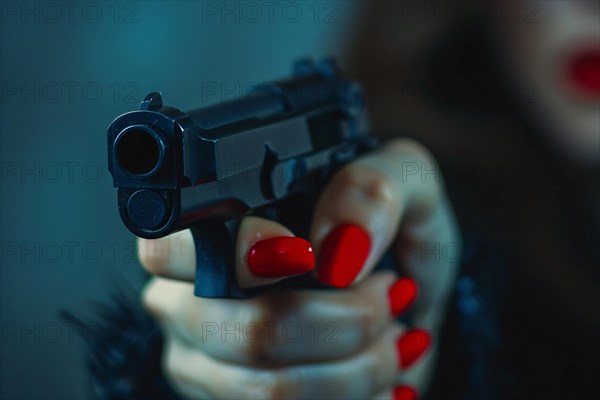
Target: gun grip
215, 259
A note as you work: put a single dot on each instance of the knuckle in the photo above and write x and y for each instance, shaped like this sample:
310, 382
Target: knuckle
365, 319
375, 185
150, 297
180, 365
154, 255
412, 147
163, 298
256, 336
256, 312
255, 352
367, 322
418, 167
172, 367
269, 385
263, 331
148, 294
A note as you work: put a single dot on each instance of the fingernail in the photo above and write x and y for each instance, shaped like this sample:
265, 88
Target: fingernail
405, 393
342, 255
401, 295
281, 256
411, 346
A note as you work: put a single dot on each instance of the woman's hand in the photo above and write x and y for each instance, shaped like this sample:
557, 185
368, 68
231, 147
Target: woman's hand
315, 343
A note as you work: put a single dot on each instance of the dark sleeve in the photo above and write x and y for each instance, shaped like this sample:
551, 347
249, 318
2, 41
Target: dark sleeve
471, 346
124, 355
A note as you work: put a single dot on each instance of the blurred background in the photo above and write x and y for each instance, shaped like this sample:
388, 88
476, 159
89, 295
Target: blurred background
67, 70
505, 94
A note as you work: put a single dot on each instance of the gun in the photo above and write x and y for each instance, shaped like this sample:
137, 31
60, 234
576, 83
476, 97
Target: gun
266, 153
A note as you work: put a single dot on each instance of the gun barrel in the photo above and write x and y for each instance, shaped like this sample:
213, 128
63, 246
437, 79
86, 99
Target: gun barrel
139, 151
173, 168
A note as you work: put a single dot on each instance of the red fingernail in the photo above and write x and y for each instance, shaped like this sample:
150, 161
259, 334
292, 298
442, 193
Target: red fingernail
281, 256
402, 294
411, 346
342, 255
405, 393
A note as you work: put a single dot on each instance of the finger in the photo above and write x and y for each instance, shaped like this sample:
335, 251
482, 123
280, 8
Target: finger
283, 327
428, 245
359, 212
268, 252
430, 251
420, 373
172, 256
359, 376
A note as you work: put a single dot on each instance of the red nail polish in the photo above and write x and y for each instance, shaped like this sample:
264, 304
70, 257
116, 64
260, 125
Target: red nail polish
342, 255
411, 346
401, 295
281, 256
405, 393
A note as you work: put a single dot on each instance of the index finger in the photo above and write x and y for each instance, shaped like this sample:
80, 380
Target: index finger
359, 213
265, 252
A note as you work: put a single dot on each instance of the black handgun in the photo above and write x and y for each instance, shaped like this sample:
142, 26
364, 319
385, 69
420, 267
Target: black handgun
267, 153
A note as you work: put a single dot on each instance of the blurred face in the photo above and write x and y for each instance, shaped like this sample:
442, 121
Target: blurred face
557, 49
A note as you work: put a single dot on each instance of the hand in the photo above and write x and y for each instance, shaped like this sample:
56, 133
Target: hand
315, 343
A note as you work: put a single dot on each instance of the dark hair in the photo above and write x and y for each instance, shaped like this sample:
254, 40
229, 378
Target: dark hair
441, 83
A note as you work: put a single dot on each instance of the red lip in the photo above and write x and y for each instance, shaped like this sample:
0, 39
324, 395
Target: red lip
584, 72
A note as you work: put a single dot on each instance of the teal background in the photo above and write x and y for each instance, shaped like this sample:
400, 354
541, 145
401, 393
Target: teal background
62, 239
